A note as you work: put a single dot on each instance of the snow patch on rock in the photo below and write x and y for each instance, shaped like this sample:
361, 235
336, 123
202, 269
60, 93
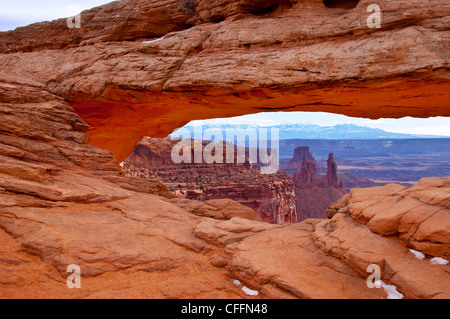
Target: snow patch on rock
250, 292
438, 261
246, 290
417, 254
151, 41
391, 290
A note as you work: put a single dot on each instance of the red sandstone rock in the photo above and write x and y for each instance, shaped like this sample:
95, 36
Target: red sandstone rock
296, 162
130, 20
306, 176
63, 201
145, 243
315, 195
274, 202
331, 178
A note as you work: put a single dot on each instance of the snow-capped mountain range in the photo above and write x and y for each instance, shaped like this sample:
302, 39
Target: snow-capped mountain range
312, 131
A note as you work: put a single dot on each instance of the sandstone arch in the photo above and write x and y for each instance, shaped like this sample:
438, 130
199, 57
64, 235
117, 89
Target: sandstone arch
300, 58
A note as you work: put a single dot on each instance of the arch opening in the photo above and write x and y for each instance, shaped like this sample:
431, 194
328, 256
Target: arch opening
321, 157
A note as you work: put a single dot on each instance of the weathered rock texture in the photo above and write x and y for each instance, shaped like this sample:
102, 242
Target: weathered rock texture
274, 201
417, 215
63, 201
272, 196
314, 194
228, 58
306, 176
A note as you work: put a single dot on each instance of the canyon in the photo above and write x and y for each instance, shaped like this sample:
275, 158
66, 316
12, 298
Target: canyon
376, 162
271, 196
314, 195
74, 103
276, 198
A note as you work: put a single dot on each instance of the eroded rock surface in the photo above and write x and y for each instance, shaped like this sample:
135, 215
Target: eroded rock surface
296, 162
133, 239
418, 215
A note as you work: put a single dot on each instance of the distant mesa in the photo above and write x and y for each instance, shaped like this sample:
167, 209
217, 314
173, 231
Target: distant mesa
300, 153
314, 195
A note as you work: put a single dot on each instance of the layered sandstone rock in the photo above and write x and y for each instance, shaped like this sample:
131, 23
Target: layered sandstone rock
296, 162
274, 201
65, 202
306, 176
129, 20
418, 215
390, 218
331, 178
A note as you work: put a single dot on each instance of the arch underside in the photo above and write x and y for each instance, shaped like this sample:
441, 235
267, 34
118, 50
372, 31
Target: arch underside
117, 124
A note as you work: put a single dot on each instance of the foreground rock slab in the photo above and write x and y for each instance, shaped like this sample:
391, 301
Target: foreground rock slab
63, 202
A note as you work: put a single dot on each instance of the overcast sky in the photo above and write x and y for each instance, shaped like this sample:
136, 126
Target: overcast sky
15, 13
19, 13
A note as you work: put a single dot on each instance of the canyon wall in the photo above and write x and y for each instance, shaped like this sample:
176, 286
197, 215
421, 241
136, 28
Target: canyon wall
66, 202
274, 201
271, 196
